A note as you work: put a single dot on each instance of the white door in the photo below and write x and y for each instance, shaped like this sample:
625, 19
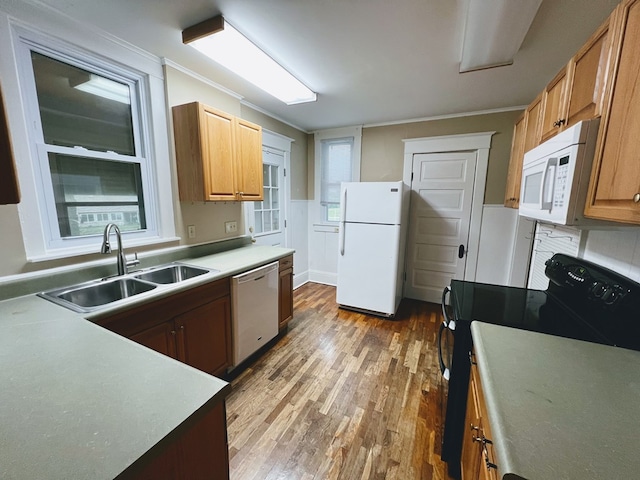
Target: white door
266, 219
439, 218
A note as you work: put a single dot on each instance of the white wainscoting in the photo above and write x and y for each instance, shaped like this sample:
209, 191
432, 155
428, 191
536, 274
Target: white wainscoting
323, 258
299, 240
505, 245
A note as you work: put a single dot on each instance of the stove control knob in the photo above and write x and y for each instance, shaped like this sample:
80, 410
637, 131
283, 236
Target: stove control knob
598, 289
611, 295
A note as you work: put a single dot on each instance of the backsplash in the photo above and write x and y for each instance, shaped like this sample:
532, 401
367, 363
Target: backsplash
618, 250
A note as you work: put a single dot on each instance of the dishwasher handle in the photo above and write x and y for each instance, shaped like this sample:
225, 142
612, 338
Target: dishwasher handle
256, 273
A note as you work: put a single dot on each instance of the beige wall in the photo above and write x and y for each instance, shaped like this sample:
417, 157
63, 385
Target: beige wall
383, 149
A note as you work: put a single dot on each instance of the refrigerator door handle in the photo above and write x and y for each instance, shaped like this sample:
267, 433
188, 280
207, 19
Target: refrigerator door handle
343, 216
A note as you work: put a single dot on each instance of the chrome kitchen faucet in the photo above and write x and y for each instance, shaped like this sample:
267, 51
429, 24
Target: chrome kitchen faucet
122, 262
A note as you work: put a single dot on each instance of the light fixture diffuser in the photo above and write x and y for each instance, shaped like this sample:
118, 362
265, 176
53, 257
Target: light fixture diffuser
494, 31
218, 40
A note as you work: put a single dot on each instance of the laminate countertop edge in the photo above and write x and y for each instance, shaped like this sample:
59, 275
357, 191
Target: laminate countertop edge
558, 407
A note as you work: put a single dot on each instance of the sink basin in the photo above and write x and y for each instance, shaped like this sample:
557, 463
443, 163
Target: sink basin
172, 273
87, 297
90, 296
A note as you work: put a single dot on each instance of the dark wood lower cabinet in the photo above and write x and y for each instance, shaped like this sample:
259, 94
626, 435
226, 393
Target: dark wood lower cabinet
194, 327
285, 291
201, 453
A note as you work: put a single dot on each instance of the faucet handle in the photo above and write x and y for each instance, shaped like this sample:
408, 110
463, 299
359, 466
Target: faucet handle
134, 262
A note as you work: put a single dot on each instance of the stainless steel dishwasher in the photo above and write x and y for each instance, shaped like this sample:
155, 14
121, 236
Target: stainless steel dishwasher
255, 310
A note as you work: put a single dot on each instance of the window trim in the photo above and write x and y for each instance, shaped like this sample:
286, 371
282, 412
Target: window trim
151, 142
334, 134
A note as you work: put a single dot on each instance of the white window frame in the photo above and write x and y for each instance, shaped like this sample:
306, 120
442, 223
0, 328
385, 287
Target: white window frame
37, 209
334, 134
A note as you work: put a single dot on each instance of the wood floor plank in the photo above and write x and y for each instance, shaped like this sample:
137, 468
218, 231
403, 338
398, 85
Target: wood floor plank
343, 395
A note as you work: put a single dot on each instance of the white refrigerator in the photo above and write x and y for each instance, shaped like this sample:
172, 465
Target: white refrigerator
371, 246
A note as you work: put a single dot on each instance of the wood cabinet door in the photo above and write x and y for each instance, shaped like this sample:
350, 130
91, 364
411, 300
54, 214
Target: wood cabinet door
285, 297
249, 160
471, 449
587, 76
204, 336
554, 112
218, 134
203, 451
615, 177
514, 175
160, 338
9, 192
533, 126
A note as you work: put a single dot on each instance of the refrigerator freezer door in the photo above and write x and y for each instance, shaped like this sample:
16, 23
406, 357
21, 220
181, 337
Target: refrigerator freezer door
372, 202
368, 273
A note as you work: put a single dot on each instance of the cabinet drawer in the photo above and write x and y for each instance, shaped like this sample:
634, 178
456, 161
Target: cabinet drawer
286, 262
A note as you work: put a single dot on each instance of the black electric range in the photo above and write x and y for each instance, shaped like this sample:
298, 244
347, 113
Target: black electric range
584, 301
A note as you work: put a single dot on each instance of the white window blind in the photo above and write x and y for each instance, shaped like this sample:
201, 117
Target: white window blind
337, 155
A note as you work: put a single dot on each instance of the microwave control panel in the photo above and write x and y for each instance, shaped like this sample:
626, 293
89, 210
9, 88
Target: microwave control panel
562, 170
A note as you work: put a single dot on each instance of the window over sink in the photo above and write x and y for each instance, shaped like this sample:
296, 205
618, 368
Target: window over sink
92, 148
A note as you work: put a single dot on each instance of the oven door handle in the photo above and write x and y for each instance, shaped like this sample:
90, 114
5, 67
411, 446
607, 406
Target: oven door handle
446, 373
450, 323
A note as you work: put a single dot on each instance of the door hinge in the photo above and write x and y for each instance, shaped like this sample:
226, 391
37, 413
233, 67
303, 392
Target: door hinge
285, 224
412, 176
284, 170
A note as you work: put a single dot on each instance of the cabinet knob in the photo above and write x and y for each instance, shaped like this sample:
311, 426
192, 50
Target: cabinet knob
636, 198
557, 123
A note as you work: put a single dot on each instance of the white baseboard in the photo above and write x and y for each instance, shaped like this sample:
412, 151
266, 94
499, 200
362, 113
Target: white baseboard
300, 279
326, 278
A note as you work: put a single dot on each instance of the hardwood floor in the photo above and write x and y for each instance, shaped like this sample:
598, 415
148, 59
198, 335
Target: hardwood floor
342, 395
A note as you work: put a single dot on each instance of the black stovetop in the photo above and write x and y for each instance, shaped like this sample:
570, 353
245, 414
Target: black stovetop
584, 301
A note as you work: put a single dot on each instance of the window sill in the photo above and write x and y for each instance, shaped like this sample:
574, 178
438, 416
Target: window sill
91, 249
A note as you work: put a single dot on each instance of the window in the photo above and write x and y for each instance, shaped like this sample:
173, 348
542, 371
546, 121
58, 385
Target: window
338, 152
267, 212
92, 151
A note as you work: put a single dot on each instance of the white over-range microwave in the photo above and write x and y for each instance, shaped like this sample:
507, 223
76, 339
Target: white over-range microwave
555, 176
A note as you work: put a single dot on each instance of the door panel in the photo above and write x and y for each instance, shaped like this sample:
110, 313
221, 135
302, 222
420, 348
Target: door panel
440, 214
266, 219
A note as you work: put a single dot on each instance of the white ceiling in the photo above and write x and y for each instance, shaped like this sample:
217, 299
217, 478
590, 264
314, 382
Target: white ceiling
370, 61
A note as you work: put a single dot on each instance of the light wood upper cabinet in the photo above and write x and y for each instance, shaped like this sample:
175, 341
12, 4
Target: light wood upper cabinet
219, 156
588, 72
249, 160
526, 135
514, 175
554, 115
614, 189
9, 192
534, 124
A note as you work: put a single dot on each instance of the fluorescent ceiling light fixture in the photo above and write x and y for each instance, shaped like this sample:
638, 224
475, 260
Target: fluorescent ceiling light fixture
105, 88
494, 31
225, 45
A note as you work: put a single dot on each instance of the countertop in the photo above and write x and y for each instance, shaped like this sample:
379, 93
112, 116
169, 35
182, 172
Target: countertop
78, 401
559, 408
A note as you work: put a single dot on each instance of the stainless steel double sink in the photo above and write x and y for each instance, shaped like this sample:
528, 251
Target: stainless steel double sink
96, 294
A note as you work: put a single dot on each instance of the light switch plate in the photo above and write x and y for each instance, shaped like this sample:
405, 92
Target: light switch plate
191, 230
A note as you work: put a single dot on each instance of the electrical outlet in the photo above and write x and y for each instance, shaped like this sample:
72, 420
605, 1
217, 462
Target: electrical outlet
191, 229
230, 227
